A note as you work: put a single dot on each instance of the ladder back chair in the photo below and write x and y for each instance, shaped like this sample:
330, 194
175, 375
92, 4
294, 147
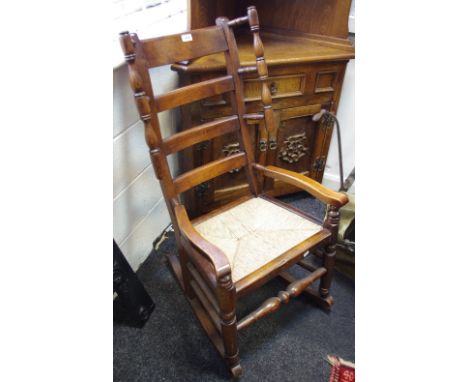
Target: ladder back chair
237, 248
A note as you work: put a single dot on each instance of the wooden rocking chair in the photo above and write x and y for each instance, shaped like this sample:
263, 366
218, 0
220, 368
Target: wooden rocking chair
237, 248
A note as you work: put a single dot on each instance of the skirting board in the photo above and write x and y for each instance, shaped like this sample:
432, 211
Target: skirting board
333, 181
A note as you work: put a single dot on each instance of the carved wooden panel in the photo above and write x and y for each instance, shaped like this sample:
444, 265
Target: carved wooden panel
294, 148
295, 139
325, 81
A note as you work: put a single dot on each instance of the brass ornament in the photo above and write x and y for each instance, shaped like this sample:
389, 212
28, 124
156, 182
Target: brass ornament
231, 149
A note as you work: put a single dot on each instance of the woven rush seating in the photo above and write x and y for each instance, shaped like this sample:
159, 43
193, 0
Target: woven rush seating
254, 232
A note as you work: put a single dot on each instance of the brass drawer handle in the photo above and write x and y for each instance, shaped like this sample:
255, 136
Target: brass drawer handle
273, 88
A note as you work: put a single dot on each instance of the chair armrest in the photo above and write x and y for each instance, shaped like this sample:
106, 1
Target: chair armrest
309, 185
212, 253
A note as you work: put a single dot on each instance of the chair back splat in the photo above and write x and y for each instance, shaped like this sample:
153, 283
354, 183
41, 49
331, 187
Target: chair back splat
236, 248
142, 55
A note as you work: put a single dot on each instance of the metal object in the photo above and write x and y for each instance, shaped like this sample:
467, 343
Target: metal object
230, 149
133, 305
202, 146
272, 144
273, 88
319, 164
201, 189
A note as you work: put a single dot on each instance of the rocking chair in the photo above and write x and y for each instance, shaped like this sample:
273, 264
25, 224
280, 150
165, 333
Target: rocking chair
237, 248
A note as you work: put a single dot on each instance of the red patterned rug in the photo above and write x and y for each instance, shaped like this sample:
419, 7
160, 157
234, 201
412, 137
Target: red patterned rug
342, 371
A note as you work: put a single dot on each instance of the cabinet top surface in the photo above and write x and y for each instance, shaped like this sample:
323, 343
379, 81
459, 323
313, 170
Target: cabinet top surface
279, 50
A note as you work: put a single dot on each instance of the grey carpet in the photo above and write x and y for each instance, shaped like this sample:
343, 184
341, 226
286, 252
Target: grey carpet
289, 345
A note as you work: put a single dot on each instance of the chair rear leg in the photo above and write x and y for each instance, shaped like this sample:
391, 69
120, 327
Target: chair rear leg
227, 305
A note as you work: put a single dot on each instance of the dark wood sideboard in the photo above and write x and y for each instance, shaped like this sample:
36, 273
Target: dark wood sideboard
306, 49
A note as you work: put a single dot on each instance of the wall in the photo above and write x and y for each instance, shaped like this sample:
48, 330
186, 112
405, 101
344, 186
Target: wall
140, 214
345, 116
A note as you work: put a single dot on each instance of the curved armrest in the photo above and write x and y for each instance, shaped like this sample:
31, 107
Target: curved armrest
213, 253
313, 187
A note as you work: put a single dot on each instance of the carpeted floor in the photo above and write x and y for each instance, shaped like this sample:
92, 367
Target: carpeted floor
289, 345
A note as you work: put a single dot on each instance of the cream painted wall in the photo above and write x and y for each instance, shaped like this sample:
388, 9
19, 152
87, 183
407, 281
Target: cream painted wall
140, 214
345, 115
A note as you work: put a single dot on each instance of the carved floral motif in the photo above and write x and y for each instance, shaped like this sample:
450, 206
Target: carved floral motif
294, 148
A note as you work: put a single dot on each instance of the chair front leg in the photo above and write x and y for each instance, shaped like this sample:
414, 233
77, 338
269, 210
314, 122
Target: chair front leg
226, 295
331, 223
186, 276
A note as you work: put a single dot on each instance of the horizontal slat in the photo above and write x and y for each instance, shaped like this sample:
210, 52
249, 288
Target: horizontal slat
209, 171
206, 304
200, 133
194, 92
201, 283
184, 46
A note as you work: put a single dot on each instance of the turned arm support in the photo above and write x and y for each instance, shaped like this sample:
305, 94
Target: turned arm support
216, 257
324, 194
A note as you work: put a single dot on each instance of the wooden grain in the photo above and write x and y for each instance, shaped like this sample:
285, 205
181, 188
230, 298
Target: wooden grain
169, 49
208, 171
328, 18
237, 101
203, 286
312, 294
194, 92
314, 188
209, 308
320, 17
204, 132
272, 304
214, 254
280, 50
332, 222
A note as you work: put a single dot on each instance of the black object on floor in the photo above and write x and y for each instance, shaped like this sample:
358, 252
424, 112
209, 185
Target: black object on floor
133, 305
289, 345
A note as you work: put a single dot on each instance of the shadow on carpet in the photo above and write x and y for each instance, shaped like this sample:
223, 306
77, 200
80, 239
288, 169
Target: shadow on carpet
289, 345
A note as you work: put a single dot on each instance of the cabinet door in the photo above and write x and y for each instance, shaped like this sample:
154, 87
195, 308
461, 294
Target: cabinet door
296, 141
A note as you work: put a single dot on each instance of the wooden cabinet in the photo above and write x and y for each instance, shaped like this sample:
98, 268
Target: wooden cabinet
306, 49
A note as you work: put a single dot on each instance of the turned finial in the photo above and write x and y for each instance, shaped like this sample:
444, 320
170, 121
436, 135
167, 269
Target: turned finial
127, 46
253, 18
